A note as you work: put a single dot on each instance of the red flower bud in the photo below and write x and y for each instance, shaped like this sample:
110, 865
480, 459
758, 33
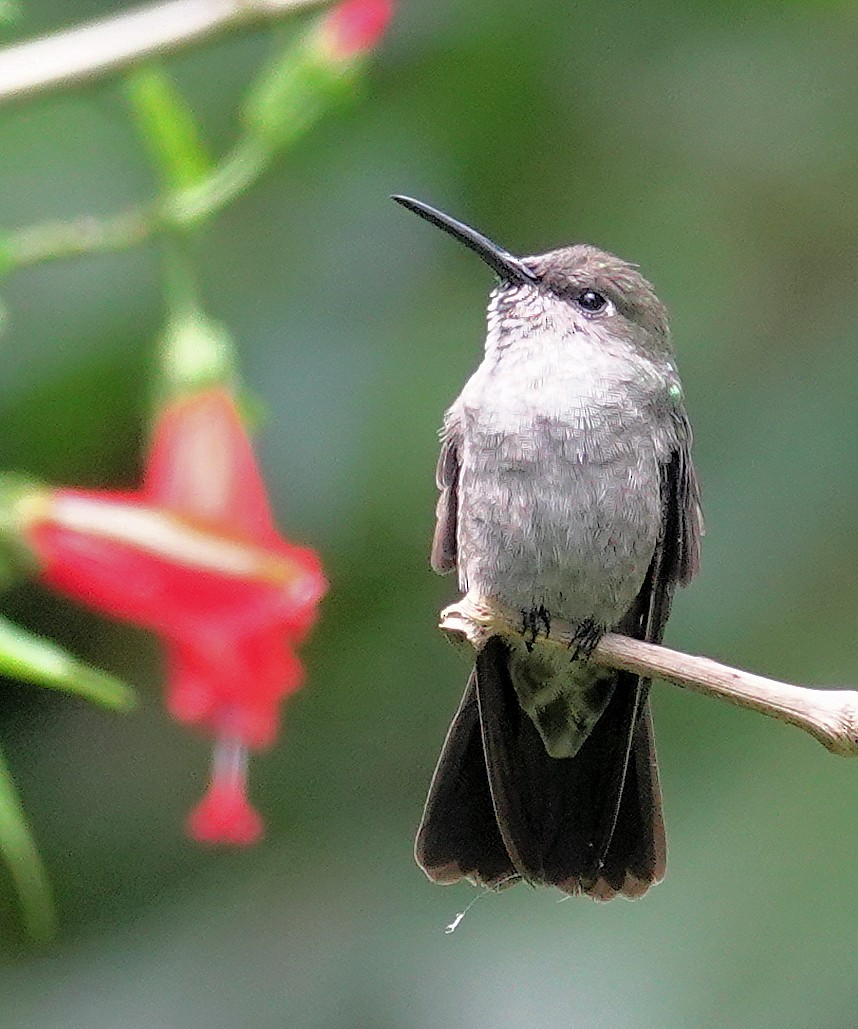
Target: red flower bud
355, 26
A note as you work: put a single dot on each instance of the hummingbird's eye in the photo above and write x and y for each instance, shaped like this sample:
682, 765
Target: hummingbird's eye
591, 301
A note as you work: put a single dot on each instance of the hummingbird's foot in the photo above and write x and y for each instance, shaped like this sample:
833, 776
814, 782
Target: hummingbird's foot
586, 637
533, 622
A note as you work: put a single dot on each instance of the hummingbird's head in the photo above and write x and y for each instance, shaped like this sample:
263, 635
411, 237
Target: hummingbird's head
579, 287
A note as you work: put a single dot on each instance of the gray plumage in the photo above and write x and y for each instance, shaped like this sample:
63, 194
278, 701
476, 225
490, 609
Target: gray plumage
551, 468
566, 492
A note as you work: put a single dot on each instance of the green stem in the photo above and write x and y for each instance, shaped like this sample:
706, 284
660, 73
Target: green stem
180, 285
22, 858
237, 172
288, 98
53, 241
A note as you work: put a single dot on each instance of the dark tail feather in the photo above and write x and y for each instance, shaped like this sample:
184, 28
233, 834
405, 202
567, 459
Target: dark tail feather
635, 858
501, 808
587, 824
458, 836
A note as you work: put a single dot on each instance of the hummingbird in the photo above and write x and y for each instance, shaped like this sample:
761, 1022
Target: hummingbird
566, 491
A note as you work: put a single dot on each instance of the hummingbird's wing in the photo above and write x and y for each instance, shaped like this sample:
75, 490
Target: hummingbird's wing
682, 521
443, 557
677, 554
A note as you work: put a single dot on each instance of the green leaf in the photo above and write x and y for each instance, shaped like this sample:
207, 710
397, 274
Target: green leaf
22, 858
169, 128
36, 660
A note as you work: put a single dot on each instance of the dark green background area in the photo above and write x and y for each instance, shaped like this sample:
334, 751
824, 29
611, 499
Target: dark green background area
716, 144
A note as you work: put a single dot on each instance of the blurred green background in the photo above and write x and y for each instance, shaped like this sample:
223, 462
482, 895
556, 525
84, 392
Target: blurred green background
716, 144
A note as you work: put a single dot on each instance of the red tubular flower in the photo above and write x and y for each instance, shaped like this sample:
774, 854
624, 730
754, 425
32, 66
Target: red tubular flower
355, 26
194, 556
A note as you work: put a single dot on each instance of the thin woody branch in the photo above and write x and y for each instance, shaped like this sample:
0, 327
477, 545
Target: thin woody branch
830, 716
89, 51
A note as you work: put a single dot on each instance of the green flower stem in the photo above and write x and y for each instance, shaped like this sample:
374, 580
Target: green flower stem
195, 352
236, 173
188, 208
54, 241
22, 858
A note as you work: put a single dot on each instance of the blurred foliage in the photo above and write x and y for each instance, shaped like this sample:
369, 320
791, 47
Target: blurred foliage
316, 70
10, 11
716, 144
168, 126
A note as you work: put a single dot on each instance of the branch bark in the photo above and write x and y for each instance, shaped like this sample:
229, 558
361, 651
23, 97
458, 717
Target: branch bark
89, 51
830, 716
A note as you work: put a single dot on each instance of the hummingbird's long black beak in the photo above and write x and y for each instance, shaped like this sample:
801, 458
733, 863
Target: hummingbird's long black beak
509, 268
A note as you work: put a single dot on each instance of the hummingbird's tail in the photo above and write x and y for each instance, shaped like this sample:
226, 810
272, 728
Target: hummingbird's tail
501, 809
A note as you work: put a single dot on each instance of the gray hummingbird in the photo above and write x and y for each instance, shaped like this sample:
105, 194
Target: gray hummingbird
567, 492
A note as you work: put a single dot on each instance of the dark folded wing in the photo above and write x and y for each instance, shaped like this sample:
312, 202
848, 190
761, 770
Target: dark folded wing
682, 521
677, 554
